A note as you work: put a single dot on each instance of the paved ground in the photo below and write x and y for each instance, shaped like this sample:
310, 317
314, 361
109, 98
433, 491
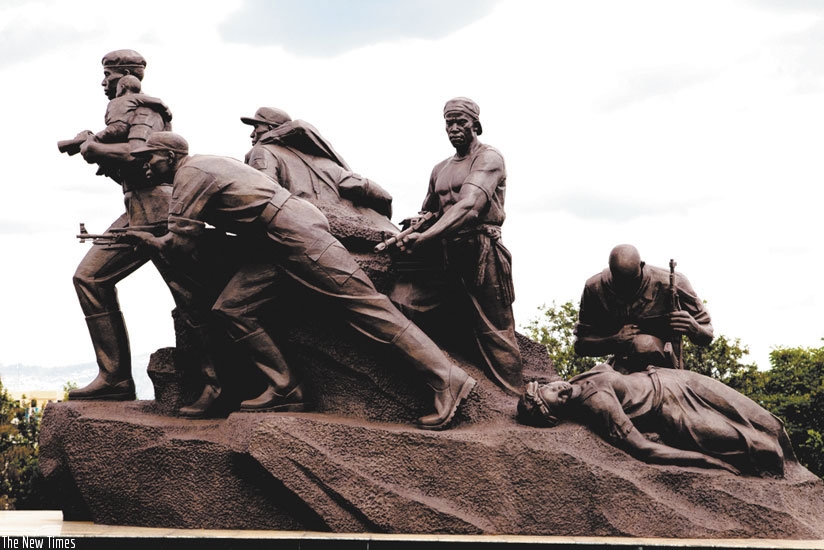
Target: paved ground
49, 527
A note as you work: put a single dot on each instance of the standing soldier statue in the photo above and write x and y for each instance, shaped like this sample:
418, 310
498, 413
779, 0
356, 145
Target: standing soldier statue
466, 191
147, 206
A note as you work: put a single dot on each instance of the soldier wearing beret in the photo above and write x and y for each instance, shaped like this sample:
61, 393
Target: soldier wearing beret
147, 204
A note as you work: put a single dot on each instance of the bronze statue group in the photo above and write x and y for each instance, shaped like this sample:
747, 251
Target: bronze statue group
187, 213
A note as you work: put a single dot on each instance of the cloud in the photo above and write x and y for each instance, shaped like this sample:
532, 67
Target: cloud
664, 81
30, 29
327, 28
801, 57
805, 6
11, 227
21, 44
592, 207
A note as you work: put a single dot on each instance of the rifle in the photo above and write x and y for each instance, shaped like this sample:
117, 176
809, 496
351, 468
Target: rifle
416, 224
117, 237
72, 146
673, 347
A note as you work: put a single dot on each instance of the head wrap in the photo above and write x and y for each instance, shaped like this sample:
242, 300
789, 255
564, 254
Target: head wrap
465, 106
533, 410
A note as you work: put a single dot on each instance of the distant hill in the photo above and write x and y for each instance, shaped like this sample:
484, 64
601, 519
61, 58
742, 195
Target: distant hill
25, 378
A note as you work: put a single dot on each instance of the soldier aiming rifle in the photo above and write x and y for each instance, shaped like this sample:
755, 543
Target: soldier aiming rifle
120, 236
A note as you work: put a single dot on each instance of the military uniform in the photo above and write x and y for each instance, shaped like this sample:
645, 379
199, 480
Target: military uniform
103, 267
604, 312
236, 198
298, 158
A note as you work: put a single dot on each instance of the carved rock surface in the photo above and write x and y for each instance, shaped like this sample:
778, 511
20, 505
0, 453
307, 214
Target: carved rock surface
123, 464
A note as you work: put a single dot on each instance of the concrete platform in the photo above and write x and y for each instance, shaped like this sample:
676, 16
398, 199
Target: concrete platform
46, 529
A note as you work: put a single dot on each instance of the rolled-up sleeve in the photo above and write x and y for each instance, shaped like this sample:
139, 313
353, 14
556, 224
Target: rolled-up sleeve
487, 172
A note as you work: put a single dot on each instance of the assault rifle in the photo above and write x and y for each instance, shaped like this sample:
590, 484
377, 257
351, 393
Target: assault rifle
415, 224
118, 237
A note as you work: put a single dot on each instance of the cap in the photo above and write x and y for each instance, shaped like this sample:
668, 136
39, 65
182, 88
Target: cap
267, 115
163, 141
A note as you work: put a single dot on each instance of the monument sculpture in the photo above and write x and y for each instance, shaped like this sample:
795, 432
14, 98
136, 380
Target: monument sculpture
637, 314
467, 191
294, 237
146, 206
700, 421
283, 309
132, 117
300, 159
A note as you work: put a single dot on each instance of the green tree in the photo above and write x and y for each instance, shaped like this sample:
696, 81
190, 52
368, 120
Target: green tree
721, 360
793, 390
19, 431
554, 327
67, 387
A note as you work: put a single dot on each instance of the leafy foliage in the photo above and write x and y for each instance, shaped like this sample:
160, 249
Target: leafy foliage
721, 360
793, 390
554, 328
67, 387
18, 454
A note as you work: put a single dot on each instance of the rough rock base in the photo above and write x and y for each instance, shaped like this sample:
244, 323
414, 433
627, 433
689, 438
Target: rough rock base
122, 464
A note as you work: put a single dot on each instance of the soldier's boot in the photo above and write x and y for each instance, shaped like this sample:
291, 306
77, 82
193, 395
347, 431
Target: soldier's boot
503, 359
211, 387
447, 399
450, 383
111, 345
283, 393
211, 391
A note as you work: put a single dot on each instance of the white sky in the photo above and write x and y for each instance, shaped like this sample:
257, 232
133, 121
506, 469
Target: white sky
690, 129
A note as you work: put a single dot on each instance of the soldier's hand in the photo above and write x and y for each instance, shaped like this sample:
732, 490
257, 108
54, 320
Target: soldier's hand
713, 462
409, 243
681, 322
407, 222
141, 239
627, 333
88, 151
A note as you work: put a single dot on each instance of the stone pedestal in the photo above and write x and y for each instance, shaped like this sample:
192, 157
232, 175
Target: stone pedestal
121, 464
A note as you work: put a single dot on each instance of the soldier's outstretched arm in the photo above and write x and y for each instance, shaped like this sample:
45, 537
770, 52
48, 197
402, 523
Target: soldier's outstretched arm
96, 152
466, 211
